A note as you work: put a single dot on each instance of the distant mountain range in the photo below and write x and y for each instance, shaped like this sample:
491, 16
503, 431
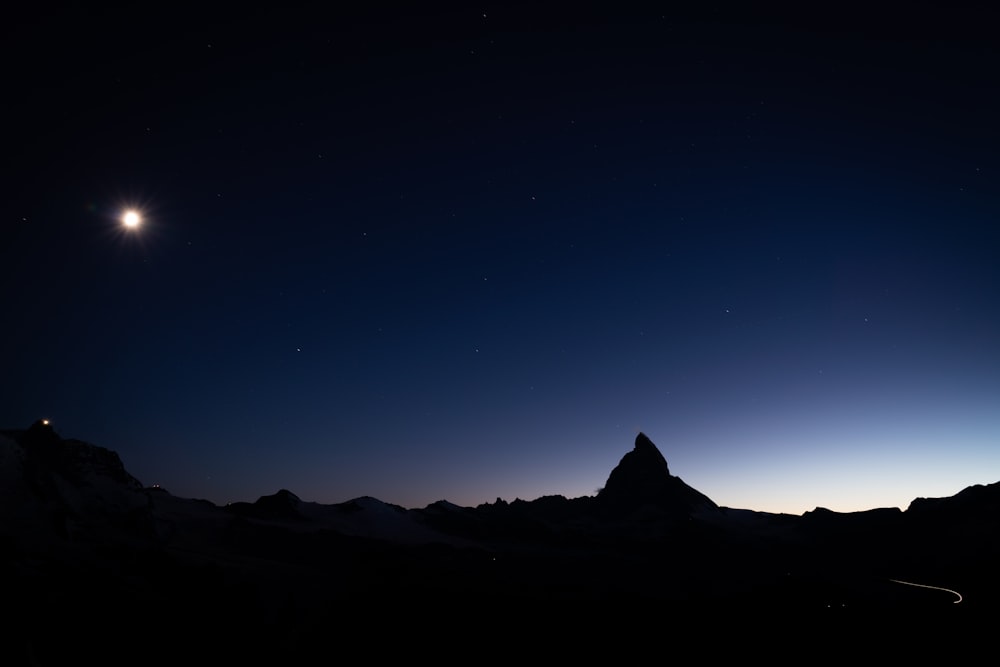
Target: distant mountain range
87, 547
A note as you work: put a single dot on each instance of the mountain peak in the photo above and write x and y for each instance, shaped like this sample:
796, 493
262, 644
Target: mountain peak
643, 477
645, 449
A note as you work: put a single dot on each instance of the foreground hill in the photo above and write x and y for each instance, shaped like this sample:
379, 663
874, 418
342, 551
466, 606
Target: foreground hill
90, 550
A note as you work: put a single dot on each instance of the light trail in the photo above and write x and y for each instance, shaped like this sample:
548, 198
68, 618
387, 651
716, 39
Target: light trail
936, 588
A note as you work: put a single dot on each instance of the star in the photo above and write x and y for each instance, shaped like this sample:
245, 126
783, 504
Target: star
131, 219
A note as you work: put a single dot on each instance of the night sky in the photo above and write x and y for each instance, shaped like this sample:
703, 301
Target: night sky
469, 254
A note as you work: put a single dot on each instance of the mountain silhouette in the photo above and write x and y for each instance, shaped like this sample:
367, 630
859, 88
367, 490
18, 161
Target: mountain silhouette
643, 477
79, 533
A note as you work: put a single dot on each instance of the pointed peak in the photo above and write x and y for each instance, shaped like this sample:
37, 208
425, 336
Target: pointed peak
642, 441
642, 477
642, 472
645, 450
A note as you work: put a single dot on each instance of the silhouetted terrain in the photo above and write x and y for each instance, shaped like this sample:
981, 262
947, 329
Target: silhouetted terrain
99, 565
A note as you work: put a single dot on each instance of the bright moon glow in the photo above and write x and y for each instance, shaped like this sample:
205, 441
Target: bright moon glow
131, 219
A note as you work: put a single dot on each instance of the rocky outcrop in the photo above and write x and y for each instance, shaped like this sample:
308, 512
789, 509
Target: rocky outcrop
70, 487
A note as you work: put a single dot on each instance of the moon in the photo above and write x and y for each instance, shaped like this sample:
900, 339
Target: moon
131, 219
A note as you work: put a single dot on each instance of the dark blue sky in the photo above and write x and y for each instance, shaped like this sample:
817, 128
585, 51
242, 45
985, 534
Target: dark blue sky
469, 254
